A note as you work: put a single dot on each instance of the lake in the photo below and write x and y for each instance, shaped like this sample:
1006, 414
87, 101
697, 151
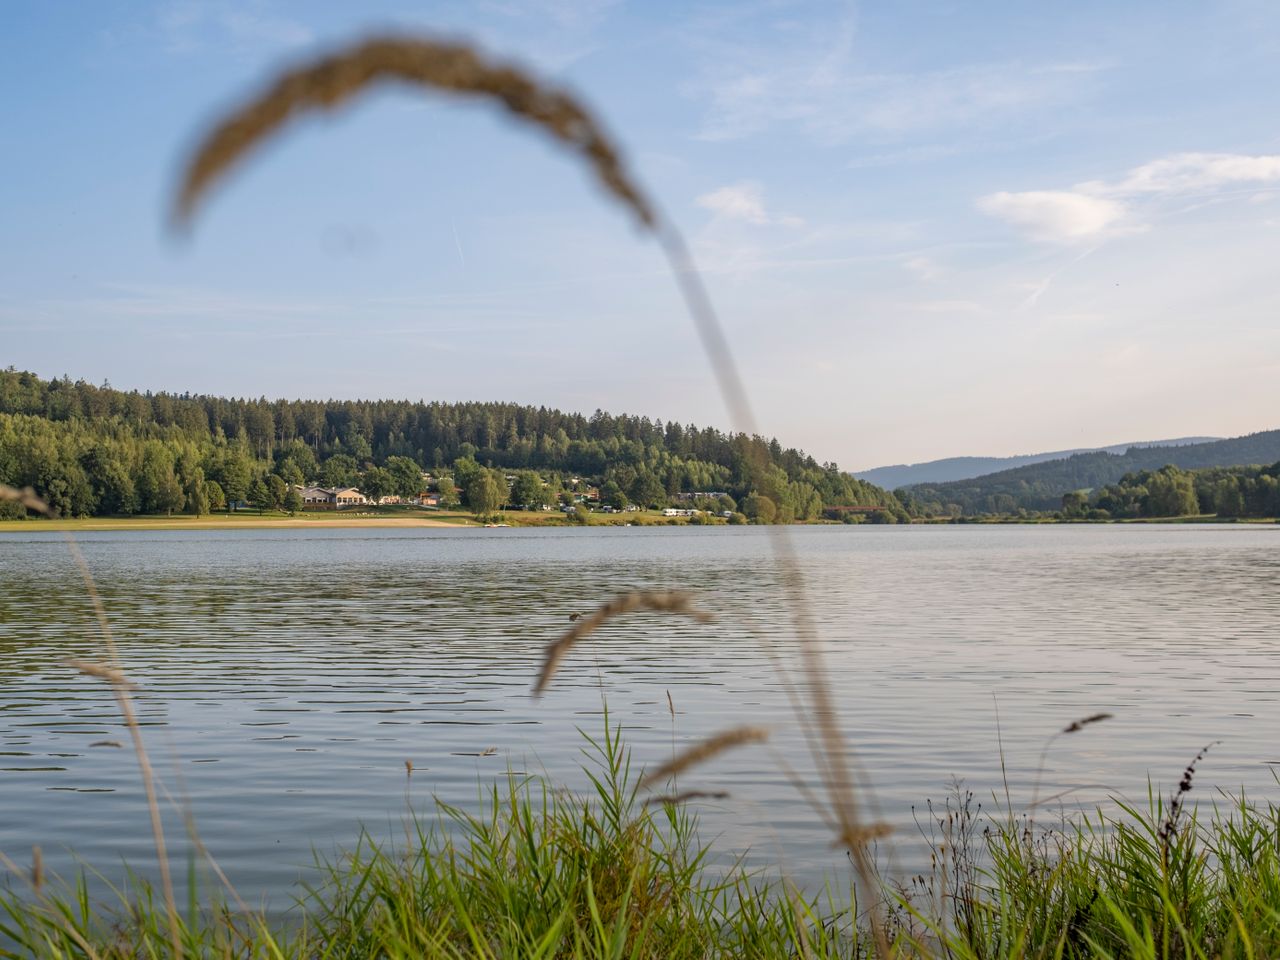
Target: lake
286, 676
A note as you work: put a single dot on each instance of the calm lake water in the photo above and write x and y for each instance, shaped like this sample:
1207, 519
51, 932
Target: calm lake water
286, 676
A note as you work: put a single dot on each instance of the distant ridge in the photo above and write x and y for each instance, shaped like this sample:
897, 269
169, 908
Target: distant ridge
966, 468
1040, 486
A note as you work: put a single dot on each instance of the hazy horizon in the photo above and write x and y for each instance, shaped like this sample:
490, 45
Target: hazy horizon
930, 231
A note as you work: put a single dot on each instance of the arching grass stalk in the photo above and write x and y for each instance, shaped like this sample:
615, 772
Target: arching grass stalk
333, 79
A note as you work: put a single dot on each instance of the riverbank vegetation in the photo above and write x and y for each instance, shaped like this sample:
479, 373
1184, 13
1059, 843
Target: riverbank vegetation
538, 871
1169, 493
1039, 488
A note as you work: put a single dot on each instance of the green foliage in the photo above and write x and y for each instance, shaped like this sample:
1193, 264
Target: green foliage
277, 489
647, 490
289, 471
528, 490
159, 490
376, 483
1075, 504
197, 500
214, 496
759, 508
486, 492
259, 495
293, 500
448, 493
406, 476
340, 470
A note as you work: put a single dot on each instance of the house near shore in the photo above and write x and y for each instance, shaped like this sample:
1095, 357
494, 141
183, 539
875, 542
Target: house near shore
330, 498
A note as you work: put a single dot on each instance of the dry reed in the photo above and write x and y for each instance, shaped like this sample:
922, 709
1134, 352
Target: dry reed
1078, 725
685, 796
1170, 825
27, 498
455, 68
868, 834
657, 601
703, 751
331, 80
121, 687
102, 672
1075, 726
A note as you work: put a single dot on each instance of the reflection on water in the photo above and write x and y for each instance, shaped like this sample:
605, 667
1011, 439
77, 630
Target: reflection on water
288, 675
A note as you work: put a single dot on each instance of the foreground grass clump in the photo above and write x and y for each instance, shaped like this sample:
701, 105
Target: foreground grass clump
1153, 882
540, 873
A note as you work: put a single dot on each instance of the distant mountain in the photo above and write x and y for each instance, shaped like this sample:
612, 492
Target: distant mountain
964, 468
1040, 486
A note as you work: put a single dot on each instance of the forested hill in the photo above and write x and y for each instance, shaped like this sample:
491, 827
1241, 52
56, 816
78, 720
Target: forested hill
95, 450
965, 468
1041, 486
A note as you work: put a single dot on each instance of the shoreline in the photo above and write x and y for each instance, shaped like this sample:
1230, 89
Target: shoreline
458, 521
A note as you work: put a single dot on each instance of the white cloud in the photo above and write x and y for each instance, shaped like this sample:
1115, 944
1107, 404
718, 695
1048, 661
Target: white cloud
743, 201
1097, 207
1055, 215
1191, 172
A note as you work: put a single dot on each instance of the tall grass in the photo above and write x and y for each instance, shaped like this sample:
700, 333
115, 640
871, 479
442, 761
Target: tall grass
534, 871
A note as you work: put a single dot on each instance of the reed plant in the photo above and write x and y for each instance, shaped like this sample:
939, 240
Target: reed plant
539, 872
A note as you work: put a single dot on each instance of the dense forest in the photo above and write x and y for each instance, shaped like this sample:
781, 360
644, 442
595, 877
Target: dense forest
90, 450
1040, 487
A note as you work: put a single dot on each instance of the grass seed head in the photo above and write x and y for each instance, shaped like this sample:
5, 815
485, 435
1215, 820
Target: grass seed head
704, 751
329, 81
1078, 725
27, 497
653, 601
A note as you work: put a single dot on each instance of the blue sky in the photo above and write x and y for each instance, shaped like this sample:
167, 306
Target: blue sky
931, 228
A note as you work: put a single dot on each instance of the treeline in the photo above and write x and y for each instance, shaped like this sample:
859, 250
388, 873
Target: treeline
1229, 492
1039, 488
91, 450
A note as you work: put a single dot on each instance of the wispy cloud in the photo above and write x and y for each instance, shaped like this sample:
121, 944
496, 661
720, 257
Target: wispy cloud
744, 201
1098, 208
1192, 172
767, 66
